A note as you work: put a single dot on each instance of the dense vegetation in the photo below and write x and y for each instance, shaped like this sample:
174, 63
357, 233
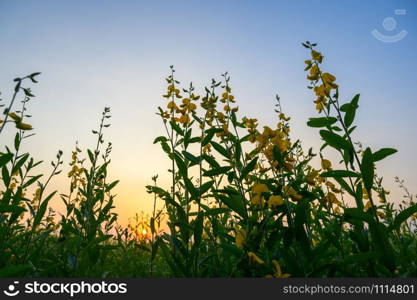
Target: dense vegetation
244, 201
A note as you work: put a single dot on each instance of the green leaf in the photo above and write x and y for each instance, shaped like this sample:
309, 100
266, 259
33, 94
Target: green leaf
382, 153
359, 258
14, 271
357, 214
111, 185
382, 245
195, 139
166, 147
198, 228
31, 180
404, 215
42, 209
335, 140
20, 163
367, 169
216, 171
5, 158
160, 139
155, 249
17, 141
90, 156
213, 163
321, 122
358, 196
219, 148
350, 111
339, 173
234, 202
249, 168
216, 211
205, 187
232, 249
194, 160
344, 185
191, 188
182, 167
277, 155
176, 128
5, 176
207, 139
11, 209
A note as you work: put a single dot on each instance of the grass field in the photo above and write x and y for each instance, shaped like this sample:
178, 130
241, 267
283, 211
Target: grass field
246, 200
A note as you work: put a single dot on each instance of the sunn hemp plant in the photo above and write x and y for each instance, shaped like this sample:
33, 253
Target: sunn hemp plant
244, 200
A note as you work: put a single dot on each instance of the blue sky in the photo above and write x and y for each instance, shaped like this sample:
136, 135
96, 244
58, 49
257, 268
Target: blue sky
116, 53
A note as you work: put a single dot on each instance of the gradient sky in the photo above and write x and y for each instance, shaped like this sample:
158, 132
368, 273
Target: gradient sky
116, 53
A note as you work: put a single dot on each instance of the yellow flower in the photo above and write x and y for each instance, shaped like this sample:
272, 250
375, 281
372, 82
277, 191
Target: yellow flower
319, 107
275, 200
288, 166
259, 188
316, 56
288, 190
314, 73
332, 197
328, 78
257, 200
381, 214
191, 107
278, 272
308, 65
326, 164
282, 117
253, 258
184, 119
367, 206
171, 105
297, 197
311, 176
240, 237
323, 90
267, 131
252, 138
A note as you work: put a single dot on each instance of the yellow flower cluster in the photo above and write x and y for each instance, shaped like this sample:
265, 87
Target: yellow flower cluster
269, 139
77, 172
179, 112
251, 125
323, 83
257, 190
